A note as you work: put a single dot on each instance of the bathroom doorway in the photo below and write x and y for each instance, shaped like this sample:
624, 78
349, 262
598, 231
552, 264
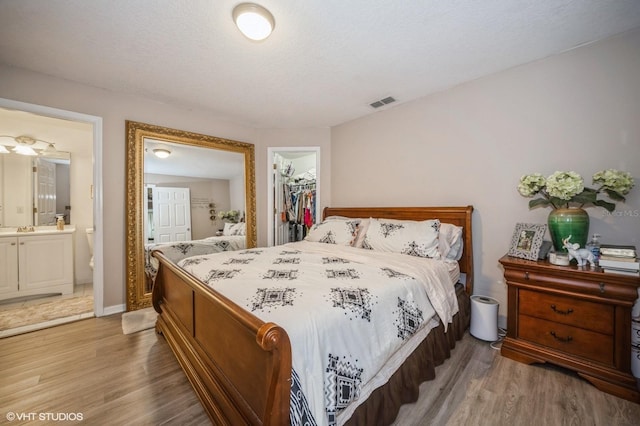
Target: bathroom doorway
81, 136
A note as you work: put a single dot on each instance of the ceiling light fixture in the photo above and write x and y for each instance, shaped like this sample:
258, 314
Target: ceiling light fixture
161, 152
26, 145
254, 21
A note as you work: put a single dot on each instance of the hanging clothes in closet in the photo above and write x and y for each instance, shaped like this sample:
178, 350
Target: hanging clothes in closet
300, 205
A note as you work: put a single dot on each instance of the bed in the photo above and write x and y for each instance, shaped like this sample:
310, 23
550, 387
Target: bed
178, 250
245, 370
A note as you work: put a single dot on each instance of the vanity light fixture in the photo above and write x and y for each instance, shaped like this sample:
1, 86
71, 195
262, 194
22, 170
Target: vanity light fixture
24, 150
254, 21
25, 145
50, 149
161, 152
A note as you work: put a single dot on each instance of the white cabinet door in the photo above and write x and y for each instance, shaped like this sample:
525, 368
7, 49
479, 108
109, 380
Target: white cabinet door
46, 261
8, 265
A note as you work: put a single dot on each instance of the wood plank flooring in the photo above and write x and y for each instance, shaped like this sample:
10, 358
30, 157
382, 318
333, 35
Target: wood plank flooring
89, 367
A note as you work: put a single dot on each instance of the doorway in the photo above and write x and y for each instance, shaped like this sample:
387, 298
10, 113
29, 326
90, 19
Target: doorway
293, 204
171, 214
96, 222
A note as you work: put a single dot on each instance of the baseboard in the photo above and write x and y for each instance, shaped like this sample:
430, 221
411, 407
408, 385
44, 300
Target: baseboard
116, 309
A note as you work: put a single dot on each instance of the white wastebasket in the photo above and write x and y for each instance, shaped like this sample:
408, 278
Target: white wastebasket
484, 318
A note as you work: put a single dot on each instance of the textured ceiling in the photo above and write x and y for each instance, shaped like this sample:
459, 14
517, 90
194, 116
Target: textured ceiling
326, 61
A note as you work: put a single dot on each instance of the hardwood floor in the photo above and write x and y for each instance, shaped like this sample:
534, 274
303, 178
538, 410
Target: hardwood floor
89, 367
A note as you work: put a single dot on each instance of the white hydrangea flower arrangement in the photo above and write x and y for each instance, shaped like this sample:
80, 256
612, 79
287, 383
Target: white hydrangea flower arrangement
564, 188
232, 216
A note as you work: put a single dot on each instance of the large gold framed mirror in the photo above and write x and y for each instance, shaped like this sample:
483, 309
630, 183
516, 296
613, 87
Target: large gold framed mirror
189, 156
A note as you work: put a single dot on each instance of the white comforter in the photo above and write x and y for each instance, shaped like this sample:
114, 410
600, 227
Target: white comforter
347, 312
179, 250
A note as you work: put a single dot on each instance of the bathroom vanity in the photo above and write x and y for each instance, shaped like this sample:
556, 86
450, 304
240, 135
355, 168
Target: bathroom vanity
36, 262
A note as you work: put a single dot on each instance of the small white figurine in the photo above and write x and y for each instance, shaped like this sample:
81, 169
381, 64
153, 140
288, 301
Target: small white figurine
582, 256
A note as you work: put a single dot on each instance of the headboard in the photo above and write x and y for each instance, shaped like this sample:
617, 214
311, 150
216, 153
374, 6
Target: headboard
460, 216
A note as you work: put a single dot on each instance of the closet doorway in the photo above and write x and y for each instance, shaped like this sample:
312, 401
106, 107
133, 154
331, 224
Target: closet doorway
294, 187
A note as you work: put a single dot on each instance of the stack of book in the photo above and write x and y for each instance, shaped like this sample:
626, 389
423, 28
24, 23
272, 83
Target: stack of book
619, 259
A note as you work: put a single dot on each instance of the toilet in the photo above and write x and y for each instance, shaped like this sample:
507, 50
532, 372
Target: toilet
90, 239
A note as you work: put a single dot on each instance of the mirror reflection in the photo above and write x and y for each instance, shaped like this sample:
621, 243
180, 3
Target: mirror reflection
195, 201
189, 194
35, 189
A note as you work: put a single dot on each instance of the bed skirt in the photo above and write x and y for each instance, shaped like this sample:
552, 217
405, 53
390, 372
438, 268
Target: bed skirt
384, 403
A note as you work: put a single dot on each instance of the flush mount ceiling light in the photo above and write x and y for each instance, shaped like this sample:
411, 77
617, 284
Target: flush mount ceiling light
161, 152
254, 21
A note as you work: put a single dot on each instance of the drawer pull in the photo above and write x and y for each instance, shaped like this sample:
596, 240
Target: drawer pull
601, 287
526, 275
562, 339
558, 311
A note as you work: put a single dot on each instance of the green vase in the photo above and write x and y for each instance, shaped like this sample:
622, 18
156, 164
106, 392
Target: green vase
568, 222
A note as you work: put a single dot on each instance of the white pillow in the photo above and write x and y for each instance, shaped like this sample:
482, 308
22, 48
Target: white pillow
450, 244
415, 238
227, 228
340, 232
239, 229
361, 233
234, 229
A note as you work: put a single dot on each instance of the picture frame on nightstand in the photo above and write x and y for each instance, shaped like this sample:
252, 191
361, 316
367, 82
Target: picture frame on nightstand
527, 240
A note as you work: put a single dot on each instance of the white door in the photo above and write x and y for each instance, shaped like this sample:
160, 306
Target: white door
171, 215
280, 225
45, 192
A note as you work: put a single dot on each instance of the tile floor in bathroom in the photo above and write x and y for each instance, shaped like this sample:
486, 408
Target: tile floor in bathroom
78, 291
22, 315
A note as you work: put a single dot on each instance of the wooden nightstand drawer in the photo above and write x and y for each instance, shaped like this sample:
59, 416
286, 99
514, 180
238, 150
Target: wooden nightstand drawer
573, 340
567, 310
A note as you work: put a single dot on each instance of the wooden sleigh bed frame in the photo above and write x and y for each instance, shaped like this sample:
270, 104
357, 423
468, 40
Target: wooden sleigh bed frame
240, 366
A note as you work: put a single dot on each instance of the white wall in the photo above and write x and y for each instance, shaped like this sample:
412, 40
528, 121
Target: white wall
470, 145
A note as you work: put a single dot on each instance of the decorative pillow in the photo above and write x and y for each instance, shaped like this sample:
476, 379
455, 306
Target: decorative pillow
450, 244
231, 229
362, 232
415, 238
227, 228
340, 232
239, 229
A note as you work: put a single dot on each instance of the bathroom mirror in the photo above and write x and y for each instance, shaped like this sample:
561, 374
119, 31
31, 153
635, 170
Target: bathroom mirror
35, 188
143, 168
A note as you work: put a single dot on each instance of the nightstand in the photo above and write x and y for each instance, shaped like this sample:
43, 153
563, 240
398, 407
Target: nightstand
577, 318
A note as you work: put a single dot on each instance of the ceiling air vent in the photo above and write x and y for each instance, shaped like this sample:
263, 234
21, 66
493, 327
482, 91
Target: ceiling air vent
382, 102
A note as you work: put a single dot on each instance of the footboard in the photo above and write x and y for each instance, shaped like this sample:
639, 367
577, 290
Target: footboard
239, 366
